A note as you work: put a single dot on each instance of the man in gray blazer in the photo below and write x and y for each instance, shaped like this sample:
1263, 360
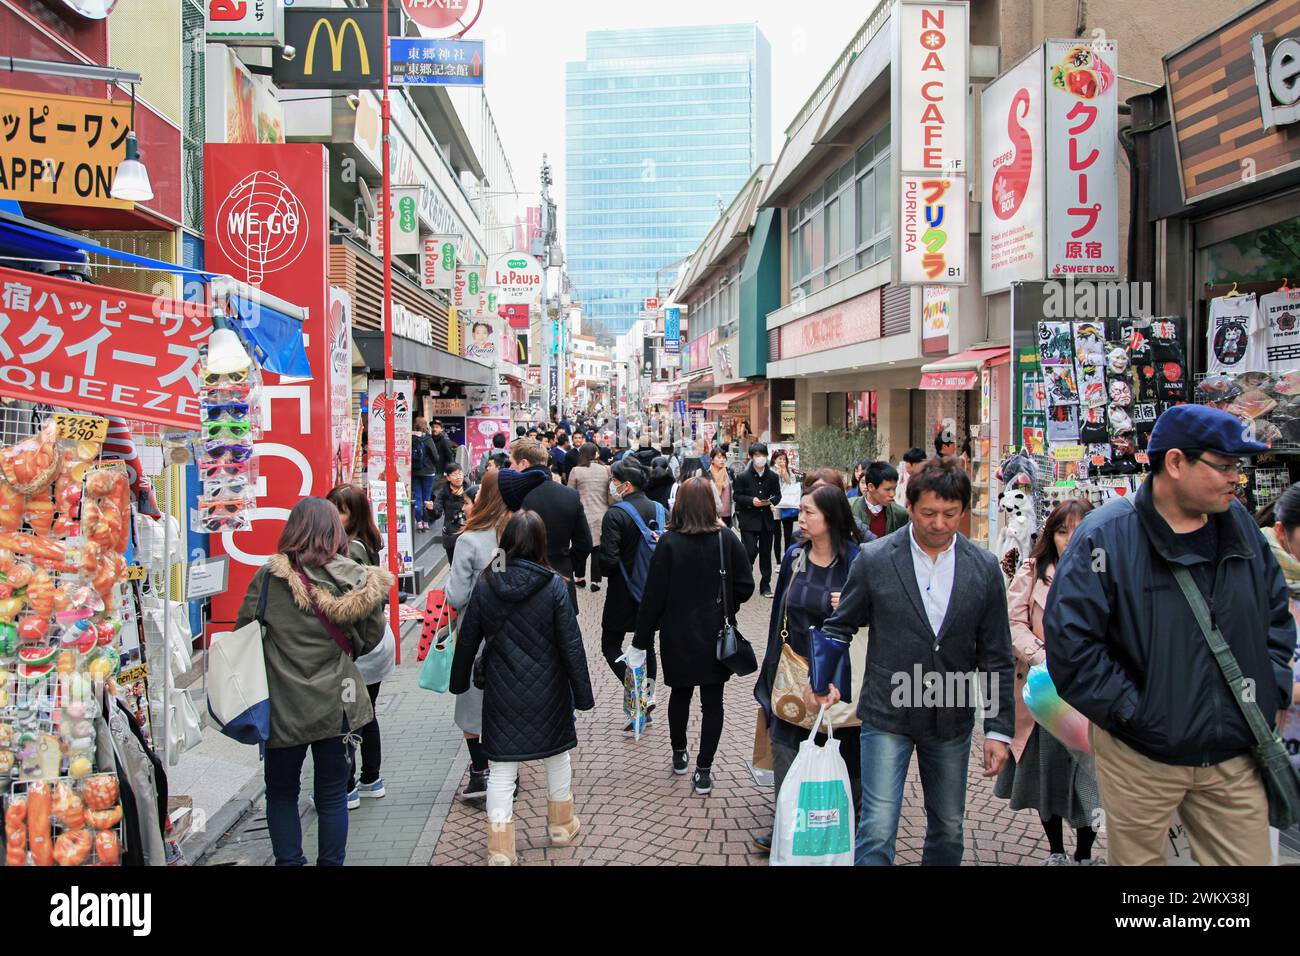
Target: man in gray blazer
936, 607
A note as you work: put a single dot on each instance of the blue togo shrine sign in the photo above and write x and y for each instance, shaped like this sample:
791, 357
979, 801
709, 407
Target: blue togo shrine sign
419, 60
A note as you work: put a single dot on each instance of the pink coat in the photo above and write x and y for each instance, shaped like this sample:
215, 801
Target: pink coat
1026, 597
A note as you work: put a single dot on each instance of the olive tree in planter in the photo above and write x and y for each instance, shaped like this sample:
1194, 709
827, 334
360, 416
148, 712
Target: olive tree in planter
837, 448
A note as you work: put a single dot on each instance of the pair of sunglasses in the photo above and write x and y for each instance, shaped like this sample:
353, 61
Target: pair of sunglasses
222, 379
228, 453
226, 392
225, 411
225, 506
210, 470
226, 487
235, 430
218, 522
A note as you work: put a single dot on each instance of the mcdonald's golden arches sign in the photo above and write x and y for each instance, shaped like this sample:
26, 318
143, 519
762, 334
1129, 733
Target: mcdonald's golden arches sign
334, 49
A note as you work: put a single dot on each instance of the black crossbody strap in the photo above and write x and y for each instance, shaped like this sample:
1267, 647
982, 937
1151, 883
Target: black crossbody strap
722, 564
1223, 656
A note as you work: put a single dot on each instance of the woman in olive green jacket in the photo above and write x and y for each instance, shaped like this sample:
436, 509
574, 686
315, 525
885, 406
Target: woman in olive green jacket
317, 694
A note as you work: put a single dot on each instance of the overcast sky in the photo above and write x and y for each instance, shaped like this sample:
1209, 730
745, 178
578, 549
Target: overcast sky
529, 42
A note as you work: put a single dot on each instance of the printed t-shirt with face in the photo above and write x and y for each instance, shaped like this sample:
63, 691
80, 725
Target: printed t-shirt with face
1236, 336
1280, 312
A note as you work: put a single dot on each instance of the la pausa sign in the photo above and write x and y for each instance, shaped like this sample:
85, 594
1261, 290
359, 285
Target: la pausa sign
517, 278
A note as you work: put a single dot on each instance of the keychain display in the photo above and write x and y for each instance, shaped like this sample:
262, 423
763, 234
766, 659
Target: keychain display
229, 409
65, 527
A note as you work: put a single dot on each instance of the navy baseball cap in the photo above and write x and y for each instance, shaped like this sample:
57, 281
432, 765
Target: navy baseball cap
1202, 428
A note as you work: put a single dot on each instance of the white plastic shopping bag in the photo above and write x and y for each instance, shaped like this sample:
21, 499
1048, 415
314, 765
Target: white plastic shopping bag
814, 823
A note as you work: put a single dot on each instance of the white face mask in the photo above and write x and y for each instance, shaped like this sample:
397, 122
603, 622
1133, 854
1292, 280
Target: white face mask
614, 490
760, 461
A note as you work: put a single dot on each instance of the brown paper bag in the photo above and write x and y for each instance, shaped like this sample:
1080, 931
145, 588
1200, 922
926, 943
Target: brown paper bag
762, 759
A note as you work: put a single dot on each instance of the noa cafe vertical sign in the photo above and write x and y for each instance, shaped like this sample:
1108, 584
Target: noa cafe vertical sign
931, 81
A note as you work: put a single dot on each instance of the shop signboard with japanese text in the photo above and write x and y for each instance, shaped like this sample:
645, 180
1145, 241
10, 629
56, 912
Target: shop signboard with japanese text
266, 210
478, 435
401, 407
1012, 176
61, 149
672, 328
517, 278
405, 219
1081, 102
245, 22
938, 303
100, 349
468, 290
435, 62
930, 78
343, 446
438, 262
933, 47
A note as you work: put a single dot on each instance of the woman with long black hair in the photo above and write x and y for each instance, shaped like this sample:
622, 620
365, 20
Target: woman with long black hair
807, 591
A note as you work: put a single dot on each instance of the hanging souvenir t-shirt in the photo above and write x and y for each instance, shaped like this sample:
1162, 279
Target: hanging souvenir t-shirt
1280, 313
1092, 425
1236, 336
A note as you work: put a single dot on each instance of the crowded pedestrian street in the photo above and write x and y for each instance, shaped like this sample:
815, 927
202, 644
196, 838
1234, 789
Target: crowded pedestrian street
485, 434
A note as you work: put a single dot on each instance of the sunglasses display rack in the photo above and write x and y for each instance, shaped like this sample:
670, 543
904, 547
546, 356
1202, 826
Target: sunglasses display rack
230, 406
65, 520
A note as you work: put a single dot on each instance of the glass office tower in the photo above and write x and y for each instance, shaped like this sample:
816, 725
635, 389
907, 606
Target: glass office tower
663, 127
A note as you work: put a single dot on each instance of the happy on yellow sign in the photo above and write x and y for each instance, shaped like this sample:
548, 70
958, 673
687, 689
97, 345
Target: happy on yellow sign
61, 149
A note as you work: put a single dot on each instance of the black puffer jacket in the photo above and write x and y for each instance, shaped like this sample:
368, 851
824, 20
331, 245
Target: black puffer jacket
659, 484
534, 665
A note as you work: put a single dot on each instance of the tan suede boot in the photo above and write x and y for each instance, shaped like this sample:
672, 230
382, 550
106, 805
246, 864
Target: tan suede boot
562, 824
501, 844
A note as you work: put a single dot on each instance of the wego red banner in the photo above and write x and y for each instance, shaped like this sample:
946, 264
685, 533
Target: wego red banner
267, 224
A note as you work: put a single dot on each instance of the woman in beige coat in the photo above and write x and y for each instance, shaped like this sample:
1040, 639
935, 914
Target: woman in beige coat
1040, 773
590, 479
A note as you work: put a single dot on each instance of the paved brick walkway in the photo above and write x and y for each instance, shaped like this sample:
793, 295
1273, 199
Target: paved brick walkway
634, 810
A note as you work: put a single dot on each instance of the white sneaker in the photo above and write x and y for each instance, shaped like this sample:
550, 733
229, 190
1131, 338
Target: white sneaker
1058, 859
650, 695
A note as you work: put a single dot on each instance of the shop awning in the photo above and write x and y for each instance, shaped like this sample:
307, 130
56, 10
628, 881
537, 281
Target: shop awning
26, 239
417, 358
720, 401
959, 372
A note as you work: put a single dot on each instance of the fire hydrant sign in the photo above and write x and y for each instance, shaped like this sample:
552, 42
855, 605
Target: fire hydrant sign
1082, 185
100, 349
61, 149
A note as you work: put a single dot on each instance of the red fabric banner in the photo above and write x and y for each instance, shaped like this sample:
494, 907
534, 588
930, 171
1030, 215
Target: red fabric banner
100, 349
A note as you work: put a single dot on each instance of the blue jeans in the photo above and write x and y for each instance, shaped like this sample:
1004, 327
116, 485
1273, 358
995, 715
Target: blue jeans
283, 772
885, 759
420, 493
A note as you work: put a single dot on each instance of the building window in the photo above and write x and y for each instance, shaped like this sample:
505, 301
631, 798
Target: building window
843, 226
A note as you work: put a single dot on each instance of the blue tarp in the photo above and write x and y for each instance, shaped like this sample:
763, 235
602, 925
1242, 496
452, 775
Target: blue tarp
274, 338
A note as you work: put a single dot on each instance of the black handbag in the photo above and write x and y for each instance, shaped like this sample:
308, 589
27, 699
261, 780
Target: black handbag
1281, 779
733, 651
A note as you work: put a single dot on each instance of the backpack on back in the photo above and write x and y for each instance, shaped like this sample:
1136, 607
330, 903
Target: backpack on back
422, 456
645, 548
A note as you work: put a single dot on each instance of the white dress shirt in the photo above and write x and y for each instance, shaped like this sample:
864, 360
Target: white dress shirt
874, 508
934, 579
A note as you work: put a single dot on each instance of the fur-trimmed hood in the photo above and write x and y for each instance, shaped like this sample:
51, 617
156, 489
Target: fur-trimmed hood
363, 588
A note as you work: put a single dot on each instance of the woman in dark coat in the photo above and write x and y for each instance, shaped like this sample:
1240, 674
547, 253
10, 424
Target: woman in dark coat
807, 591
687, 563
534, 677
